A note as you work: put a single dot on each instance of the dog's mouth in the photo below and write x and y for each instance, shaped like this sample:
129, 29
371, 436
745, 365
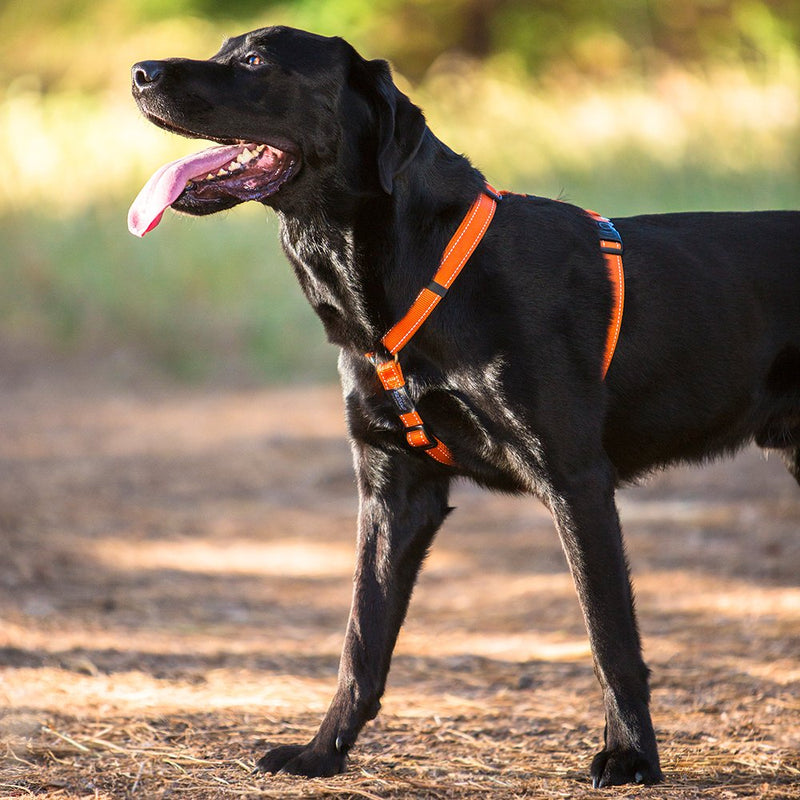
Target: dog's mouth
218, 177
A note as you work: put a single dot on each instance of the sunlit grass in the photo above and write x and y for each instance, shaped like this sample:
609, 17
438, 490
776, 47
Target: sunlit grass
211, 297
216, 296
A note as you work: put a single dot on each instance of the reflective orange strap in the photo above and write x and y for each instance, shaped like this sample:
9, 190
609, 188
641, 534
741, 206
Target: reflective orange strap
458, 251
417, 435
461, 246
612, 248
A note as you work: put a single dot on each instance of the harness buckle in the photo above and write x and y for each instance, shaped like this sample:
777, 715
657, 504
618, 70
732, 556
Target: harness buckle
609, 233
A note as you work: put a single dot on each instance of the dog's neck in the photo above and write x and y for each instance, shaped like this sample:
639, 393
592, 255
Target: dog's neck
361, 258
330, 270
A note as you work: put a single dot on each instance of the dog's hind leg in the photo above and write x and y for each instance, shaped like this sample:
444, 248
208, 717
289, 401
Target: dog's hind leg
781, 428
403, 501
582, 502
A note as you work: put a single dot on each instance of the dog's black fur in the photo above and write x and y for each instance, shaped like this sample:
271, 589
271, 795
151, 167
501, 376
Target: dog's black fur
507, 371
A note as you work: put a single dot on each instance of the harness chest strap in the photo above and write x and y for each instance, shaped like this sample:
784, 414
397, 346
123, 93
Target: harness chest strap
417, 435
456, 254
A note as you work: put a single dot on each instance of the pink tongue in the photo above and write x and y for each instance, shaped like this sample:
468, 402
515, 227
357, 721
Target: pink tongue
167, 184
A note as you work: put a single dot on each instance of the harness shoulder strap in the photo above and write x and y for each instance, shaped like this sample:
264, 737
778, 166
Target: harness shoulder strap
461, 246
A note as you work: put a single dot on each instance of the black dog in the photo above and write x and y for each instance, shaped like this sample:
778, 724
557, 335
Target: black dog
508, 371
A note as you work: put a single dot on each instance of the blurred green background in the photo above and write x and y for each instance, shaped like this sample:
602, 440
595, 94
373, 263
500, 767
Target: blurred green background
619, 105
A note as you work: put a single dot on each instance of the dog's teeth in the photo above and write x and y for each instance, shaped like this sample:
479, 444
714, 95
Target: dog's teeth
209, 177
245, 156
222, 172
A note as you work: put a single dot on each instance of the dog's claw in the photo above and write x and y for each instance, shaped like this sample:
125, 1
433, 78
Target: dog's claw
617, 767
298, 759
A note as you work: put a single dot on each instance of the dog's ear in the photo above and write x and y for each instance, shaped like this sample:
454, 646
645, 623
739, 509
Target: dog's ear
401, 124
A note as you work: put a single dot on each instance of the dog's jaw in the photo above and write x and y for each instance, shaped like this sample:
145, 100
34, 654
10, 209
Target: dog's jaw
257, 173
212, 180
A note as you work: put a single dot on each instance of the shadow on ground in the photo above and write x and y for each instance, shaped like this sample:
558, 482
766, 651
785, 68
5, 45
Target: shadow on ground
175, 577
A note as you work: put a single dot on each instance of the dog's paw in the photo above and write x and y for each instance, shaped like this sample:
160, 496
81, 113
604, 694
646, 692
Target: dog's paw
300, 759
616, 767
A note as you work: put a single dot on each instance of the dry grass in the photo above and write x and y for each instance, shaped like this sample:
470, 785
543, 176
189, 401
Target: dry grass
161, 629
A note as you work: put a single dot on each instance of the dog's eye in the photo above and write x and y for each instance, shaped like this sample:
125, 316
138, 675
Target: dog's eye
254, 60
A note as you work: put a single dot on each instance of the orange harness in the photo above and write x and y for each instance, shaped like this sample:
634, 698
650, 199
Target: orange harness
456, 254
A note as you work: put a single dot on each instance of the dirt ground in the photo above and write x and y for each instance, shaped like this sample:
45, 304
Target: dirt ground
174, 583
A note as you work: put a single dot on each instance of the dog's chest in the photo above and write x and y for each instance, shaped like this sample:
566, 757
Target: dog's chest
467, 409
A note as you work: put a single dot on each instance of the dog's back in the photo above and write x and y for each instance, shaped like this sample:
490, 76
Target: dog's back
710, 356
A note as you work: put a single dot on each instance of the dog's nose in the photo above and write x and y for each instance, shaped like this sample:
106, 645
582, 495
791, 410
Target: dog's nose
147, 74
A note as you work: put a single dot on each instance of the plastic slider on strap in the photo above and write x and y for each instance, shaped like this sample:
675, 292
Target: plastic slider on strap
419, 437
610, 248
437, 288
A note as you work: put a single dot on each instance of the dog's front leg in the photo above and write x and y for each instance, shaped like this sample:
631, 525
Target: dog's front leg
585, 513
402, 505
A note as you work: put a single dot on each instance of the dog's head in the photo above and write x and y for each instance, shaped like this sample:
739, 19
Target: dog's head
292, 113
